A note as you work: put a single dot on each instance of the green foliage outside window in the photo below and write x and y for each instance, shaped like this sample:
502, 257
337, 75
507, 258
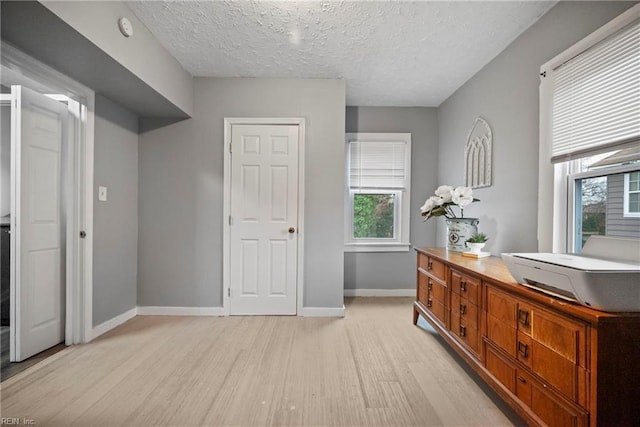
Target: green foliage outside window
593, 207
373, 216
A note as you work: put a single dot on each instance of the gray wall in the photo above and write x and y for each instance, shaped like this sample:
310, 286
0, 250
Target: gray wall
617, 223
396, 270
505, 93
115, 222
142, 53
82, 40
181, 190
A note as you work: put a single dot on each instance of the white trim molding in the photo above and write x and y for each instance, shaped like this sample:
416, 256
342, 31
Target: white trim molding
180, 311
625, 197
110, 324
322, 312
377, 247
411, 292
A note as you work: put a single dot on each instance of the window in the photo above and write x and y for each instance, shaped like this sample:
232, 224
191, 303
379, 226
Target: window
632, 194
378, 192
598, 192
590, 138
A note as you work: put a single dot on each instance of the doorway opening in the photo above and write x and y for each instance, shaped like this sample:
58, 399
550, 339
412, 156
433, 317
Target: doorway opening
47, 170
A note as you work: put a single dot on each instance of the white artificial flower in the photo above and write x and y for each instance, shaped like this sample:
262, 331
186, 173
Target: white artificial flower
444, 192
429, 204
437, 201
462, 196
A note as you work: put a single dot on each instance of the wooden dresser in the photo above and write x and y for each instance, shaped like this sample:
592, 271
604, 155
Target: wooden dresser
556, 363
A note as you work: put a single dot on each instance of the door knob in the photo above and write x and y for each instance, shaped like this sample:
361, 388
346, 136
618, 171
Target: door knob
292, 230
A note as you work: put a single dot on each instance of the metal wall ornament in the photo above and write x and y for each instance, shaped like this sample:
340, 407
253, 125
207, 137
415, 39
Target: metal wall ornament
477, 155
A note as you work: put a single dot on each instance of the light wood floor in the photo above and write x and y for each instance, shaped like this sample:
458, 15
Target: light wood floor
372, 368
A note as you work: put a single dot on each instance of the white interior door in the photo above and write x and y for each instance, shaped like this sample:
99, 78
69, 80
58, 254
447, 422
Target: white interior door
38, 262
264, 210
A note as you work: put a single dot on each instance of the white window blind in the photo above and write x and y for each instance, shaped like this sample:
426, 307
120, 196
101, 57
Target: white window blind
596, 97
377, 164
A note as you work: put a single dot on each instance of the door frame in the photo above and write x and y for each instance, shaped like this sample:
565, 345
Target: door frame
226, 235
79, 267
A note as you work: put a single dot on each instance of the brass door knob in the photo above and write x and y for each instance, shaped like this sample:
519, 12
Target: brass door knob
292, 230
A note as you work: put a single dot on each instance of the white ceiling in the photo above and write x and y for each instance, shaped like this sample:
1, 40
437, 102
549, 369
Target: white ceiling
391, 53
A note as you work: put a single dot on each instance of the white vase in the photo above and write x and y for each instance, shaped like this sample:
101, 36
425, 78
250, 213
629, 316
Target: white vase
475, 248
459, 230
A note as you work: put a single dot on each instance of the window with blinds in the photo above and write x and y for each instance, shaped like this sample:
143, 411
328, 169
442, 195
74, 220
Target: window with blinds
378, 184
590, 138
596, 97
377, 164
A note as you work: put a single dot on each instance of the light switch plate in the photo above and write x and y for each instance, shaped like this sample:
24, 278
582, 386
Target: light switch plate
102, 194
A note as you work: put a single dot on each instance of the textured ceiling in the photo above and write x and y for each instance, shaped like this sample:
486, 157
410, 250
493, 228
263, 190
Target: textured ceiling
392, 53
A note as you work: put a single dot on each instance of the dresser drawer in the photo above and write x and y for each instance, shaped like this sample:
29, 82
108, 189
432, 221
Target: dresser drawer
466, 331
469, 313
437, 308
552, 410
431, 294
436, 290
501, 320
546, 404
563, 374
466, 286
423, 291
560, 334
432, 266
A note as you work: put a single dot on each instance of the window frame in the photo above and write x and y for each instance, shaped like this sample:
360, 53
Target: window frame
626, 213
402, 208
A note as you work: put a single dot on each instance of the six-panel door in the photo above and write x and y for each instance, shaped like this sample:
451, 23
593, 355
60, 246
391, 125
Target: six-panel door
264, 210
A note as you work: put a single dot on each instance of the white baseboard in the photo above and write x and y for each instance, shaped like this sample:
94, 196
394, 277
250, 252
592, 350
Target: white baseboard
112, 323
380, 292
322, 311
180, 311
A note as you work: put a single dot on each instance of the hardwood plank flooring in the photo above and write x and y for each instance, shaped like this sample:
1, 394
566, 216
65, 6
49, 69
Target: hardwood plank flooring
13, 368
372, 368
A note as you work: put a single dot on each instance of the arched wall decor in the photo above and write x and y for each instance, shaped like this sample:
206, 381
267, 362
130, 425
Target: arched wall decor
477, 155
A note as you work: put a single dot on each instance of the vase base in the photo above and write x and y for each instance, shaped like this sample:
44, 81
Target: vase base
476, 255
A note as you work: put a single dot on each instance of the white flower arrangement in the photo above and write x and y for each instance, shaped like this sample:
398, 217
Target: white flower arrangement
447, 197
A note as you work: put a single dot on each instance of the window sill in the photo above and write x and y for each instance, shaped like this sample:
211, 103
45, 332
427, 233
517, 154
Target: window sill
377, 247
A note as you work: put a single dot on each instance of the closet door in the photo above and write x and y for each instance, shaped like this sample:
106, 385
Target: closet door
38, 129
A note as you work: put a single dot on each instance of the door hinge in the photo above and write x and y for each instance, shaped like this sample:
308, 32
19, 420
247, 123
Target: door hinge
231, 148
229, 292
230, 220
83, 234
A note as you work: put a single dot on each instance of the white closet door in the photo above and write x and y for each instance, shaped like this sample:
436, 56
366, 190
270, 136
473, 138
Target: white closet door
38, 132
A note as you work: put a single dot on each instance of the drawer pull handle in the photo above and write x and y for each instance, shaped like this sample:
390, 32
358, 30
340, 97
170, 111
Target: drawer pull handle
463, 286
429, 285
463, 331
429, 302
523, 349
463, 309
430, 265
522, 380
523, 317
